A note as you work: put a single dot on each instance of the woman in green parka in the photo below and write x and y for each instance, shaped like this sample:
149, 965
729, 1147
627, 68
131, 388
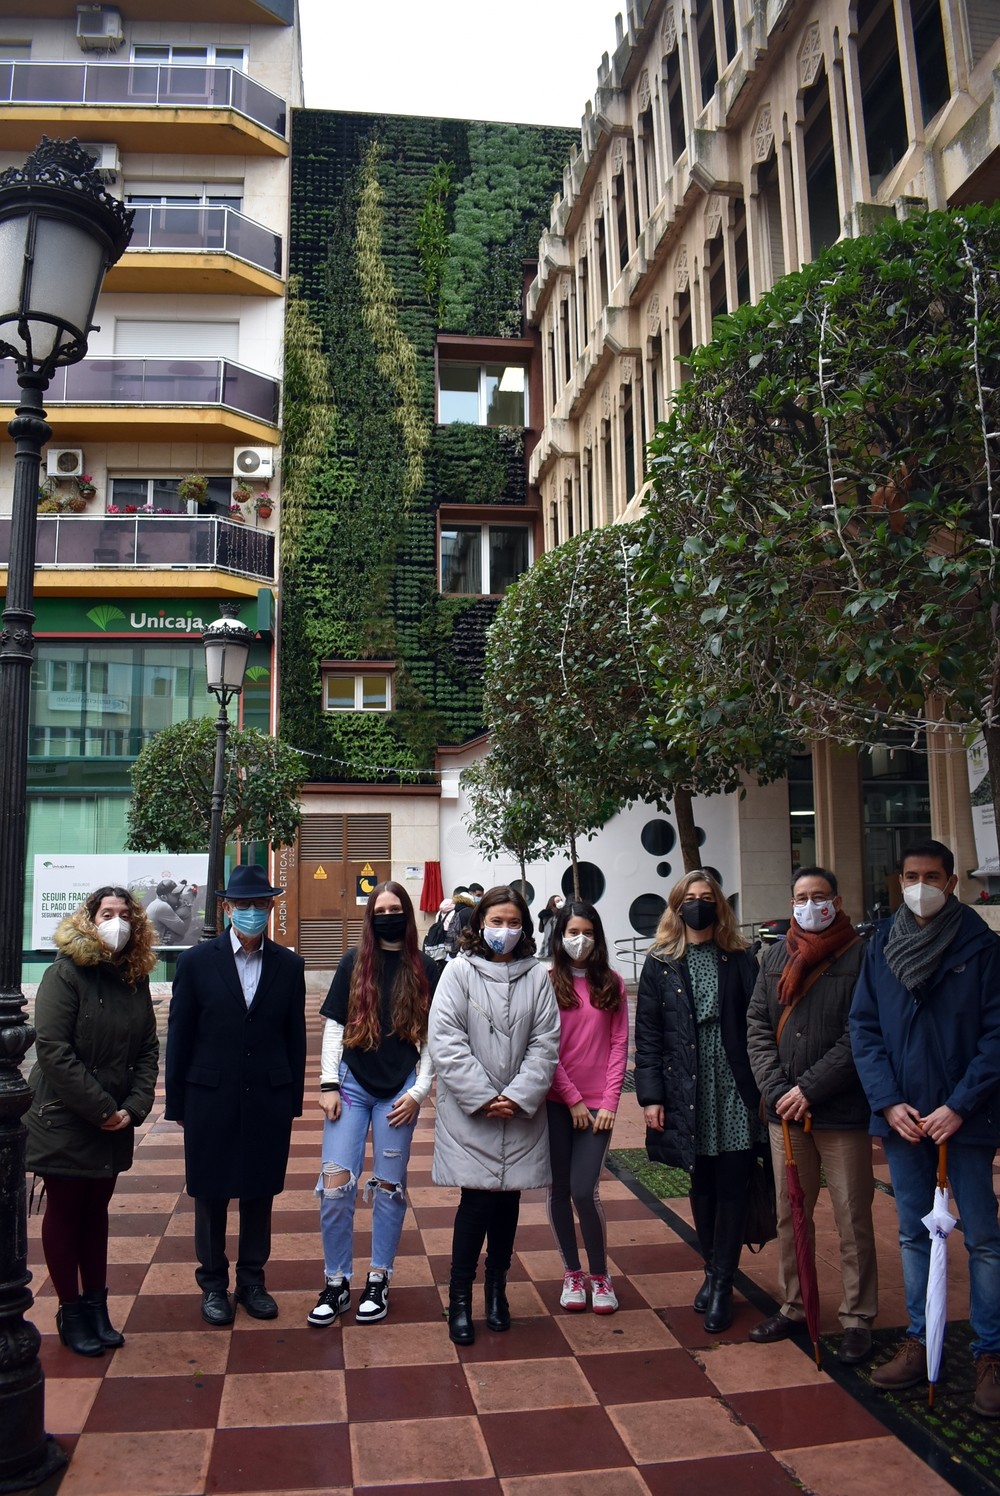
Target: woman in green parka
93, 1083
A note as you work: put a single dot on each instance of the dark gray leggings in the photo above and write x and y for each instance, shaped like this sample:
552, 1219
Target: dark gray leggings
578, 1155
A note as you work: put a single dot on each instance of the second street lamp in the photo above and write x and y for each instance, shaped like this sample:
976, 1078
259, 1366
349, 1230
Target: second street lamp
59, 232
227, 644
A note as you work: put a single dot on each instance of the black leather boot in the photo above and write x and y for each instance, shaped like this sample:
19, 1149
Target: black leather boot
730, 1223
76, 1330
96, 1305
460, 1327
703, 1212
497, 1307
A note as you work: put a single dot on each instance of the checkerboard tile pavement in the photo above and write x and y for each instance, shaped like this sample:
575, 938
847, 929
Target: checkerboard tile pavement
639, 1402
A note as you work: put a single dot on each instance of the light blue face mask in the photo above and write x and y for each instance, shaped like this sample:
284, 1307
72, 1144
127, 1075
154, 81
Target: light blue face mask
250, 921
501, 939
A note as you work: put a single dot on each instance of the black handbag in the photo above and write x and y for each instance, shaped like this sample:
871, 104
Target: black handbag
762, 1205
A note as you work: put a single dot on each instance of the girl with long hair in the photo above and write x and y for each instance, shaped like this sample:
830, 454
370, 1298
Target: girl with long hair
494, 1039
583, 1100
375, 1072
93, 1083
692, 1072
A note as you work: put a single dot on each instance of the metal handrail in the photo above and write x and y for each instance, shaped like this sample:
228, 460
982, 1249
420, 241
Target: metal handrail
167, 380
629, 953
219, 230
176, 542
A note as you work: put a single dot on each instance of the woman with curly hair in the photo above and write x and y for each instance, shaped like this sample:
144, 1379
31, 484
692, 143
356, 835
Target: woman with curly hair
494, 1039
692, 1072
583, 1101
93, 1083
375, 1072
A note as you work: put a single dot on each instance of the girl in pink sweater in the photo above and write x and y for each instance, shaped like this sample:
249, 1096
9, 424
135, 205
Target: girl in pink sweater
593, 1053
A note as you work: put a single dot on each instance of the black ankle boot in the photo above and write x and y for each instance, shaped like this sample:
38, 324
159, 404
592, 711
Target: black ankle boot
76, 1330
719, 1310
96, 1305
460, 1327
704, 1293
730, 1223
497, 1307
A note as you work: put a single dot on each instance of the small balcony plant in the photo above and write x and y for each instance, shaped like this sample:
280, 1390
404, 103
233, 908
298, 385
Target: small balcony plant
193, 487
85, 486
264, 504
242, 494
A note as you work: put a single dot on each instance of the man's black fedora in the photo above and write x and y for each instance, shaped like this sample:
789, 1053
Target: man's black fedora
247, 881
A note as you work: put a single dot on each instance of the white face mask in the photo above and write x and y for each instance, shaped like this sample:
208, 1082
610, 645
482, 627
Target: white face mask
814, 915
501, 939
115, 933
923, 899
577, 946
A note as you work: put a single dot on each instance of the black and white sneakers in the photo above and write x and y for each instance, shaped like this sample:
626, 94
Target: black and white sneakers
374, 1303
335, 1298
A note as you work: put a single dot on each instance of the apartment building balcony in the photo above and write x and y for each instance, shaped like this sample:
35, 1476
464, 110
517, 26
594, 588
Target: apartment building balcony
199, 249
258, 12
155, 399
150, 107
70, 548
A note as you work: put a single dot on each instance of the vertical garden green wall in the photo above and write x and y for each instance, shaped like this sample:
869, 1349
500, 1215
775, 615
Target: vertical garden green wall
400, 227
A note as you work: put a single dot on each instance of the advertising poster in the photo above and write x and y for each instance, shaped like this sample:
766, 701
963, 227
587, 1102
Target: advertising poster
983, 822
171, 890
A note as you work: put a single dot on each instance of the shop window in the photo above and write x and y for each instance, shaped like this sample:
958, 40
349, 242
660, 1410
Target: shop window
356, 690
881, 88
483, 560
481, 394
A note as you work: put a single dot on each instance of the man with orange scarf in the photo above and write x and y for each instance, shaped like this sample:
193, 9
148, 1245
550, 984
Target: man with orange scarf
800, 1054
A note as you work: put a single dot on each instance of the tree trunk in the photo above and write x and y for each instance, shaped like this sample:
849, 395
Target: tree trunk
524, 878
686, 833
576, 868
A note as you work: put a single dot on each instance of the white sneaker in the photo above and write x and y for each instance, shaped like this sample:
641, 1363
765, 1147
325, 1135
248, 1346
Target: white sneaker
603, 1299
374, 1303
574, 1292
334, 1299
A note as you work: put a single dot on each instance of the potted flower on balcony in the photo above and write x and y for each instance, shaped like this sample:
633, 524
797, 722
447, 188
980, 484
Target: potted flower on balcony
85, 486
193, 487
264, 504
236, 514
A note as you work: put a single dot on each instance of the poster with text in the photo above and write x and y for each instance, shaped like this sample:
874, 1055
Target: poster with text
983, 820
170, 889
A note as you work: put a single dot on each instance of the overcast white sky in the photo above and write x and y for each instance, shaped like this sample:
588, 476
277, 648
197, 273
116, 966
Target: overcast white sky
528, 61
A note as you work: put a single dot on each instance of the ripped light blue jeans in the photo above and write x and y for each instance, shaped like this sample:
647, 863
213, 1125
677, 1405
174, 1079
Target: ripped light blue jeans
344, 1151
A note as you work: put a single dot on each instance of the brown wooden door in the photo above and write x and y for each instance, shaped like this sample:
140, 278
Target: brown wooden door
340, 858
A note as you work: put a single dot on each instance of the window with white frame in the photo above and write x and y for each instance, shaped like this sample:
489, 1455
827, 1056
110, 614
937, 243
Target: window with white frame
356, 690
153, 194
185, 56
482, 394
160, 496
483, 559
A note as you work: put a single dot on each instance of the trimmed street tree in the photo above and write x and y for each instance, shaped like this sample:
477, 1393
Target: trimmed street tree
171, 800
502, 822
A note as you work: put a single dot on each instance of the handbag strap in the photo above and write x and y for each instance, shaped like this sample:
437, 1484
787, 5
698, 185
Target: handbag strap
810, 982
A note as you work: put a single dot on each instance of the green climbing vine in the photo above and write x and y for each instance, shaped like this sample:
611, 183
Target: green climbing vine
432, 233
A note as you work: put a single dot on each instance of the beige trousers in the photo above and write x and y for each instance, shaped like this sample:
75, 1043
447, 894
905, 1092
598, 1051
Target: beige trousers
846, 1158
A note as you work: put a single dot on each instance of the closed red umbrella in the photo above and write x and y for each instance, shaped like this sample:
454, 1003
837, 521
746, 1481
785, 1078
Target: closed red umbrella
805, 1257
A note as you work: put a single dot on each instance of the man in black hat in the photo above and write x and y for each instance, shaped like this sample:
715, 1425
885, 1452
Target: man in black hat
235, 1075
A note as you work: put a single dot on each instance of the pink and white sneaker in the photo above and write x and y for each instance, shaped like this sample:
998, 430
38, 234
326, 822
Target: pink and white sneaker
603, 1299
574, 1292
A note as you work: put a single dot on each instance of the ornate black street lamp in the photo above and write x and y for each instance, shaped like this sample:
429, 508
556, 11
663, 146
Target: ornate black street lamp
59, 232
227, 644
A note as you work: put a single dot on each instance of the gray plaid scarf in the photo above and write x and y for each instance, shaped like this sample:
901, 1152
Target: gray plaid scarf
913, 954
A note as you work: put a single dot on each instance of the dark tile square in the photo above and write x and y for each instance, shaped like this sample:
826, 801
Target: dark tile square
688, 1328
296, 1274
398, 1392
551, 1440
175, 1249
280, 1459
828, 1413
140, 1404
286, 1350
747, 1474
157, 1313
645, 1376
526, 1339
415, 1306
145, 1223
654, 1257
439, 1488
126, 1277
57, 1361
168, 1185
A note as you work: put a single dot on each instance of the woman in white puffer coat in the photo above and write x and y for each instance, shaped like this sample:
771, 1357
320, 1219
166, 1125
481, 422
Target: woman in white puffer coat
494, 1042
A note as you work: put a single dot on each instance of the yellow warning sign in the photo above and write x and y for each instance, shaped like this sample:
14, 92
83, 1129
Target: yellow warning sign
367, 871
320, 874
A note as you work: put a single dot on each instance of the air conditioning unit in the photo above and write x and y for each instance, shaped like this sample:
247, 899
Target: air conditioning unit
99, 28
253, 462
64, 462
107, 162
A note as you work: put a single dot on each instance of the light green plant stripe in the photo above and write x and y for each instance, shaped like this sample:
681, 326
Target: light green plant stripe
396, 357
308, 413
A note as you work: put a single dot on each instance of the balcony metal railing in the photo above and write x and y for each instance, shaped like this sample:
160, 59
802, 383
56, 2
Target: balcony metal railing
142, 85
171, 381
213, 229
148, 542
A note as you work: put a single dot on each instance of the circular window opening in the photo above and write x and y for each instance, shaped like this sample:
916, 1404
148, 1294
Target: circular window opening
526, 890
658, 837
645, 913
592, 882
663, 868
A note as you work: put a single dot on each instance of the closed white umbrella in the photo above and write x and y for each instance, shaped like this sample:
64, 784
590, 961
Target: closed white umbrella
940, 1223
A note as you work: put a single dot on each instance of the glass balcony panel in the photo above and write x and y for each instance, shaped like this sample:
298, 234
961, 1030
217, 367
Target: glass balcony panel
46, 82
169, 541
155, 381
252, 242
245, 390
200, 227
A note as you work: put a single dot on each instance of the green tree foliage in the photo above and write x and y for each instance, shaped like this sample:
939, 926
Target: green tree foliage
502, 821
827, 493
172, 778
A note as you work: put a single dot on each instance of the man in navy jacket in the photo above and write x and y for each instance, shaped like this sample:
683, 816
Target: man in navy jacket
925, 1030
235, 1074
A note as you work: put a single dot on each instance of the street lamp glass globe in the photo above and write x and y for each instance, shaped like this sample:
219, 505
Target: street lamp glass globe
227, 646
46, 311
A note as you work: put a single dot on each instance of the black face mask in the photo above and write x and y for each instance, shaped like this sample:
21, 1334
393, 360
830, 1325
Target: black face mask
389, 926
699, 914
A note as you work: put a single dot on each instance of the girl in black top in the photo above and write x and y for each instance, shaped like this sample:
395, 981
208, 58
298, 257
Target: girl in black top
375, 1072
